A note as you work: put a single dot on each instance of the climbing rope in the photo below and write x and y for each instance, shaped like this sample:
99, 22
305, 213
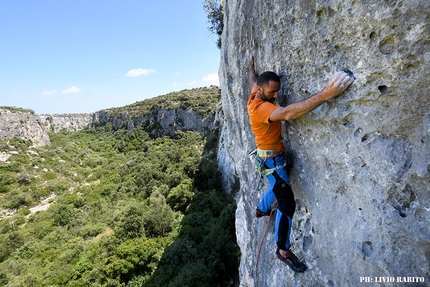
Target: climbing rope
272, 208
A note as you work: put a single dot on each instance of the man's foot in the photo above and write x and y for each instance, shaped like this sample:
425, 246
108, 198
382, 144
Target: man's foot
259, 213
291, 260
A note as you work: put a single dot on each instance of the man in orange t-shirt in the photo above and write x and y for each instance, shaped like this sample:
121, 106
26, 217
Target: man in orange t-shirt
265, 119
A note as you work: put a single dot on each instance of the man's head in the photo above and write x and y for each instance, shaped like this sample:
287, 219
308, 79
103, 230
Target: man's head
268, 84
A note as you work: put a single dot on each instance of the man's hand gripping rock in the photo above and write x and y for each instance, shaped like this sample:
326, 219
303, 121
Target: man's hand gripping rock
338, 83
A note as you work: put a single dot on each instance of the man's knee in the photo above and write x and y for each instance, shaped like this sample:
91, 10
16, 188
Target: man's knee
285, 197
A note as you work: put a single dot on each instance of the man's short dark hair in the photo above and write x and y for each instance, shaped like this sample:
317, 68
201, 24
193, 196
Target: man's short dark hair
264, 79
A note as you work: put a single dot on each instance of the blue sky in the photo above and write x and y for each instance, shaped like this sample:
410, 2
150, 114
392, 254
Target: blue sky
73, 56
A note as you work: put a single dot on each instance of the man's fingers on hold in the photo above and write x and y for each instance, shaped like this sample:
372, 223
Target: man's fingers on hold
336, 76
346, 79
335, 80
341, 80
349, 80
344, 76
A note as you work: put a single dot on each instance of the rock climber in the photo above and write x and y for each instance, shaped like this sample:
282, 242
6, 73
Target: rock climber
265, 119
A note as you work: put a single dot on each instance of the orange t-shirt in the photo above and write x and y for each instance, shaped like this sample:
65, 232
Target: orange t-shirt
268, 134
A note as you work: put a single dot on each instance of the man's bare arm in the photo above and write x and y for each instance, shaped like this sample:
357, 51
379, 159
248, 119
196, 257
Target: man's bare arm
252, 74
335, 87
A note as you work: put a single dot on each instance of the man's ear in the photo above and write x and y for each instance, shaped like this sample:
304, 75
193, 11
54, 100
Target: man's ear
259, 90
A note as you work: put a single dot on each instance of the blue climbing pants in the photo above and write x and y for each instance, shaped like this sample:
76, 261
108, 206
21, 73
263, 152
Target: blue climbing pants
280, 188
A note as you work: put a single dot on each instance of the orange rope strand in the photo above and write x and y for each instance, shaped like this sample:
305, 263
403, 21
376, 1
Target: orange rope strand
264, 235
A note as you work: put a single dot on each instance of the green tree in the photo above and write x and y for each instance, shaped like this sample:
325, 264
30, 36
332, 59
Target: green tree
158, 217
13, 241
61, 214
130, 223
180, 196
215, 15
137, 256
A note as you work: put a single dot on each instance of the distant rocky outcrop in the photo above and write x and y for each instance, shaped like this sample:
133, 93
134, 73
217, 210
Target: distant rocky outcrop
160, 122
69, 122
156, 120
361, 162
25, 124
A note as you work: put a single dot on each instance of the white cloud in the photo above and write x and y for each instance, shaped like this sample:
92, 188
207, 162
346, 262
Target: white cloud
48, 93
211, 79
139, 72
71, 90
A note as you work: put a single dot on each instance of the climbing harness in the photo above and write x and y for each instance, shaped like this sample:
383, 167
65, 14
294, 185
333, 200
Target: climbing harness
258, 158
267, 153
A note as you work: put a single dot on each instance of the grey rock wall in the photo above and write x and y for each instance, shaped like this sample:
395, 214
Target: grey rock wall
360, 162
160, 122
69, 122
26, 124
23, 124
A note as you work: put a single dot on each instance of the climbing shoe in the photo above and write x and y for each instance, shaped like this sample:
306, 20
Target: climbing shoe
259, 213
292, 261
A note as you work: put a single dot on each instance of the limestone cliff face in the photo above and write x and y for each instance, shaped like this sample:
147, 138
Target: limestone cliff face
69, 122
15, 122
361, 162
160, 122
23, 124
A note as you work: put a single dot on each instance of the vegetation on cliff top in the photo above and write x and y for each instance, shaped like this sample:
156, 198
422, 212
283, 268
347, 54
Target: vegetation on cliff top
203, 100
17, 110
215, 14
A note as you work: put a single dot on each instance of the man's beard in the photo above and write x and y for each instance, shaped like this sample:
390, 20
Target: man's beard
266, 99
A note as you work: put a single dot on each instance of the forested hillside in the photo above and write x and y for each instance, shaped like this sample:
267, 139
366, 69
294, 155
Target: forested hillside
202, 99
122, 209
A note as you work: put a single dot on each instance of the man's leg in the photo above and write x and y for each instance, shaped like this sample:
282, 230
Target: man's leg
286, 207
283, 222
265, 205
281, 188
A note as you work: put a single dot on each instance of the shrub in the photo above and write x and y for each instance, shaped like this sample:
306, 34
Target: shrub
138, 256
4, 189
130, 223
15, 201
24, 178
180, 197
91, 230
61, 214
49, 176
158, 219
11, 167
